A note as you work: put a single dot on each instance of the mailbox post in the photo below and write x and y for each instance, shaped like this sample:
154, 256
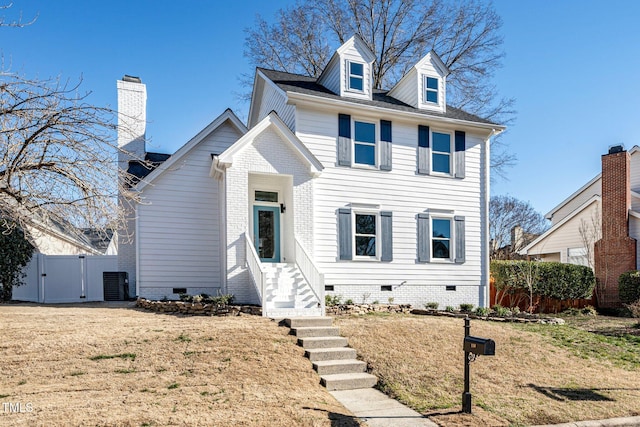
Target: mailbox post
473, 347
466, 396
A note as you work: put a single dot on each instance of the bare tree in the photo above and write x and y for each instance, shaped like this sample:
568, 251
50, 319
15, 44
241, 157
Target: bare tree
15, 22
466, 35
590, 232
505, 213
58, 155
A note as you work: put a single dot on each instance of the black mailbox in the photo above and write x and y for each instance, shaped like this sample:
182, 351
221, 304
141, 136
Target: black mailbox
480, 346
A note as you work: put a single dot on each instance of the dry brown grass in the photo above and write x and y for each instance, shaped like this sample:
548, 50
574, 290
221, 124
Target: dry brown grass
529, 381
195, 371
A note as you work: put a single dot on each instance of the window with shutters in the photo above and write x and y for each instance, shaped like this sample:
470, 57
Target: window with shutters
364, 143
441, 237
441, 153
365, 233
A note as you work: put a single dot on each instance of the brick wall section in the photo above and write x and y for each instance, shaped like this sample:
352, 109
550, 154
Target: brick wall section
615, 253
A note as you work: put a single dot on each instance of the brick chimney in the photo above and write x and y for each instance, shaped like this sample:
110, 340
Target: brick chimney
615, 252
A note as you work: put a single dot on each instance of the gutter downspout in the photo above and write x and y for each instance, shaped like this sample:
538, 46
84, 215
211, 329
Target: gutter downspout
222, 211
137, 237
487, 189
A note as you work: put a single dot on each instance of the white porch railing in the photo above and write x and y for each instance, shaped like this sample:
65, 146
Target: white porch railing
255, 269
312, 275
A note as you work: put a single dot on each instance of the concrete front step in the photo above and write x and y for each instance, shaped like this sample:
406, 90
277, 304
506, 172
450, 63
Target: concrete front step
348, 381
304, 322
329, 367
316, 331
318, 354
322, 342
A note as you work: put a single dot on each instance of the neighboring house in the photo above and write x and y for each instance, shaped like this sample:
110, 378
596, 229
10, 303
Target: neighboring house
519, 239
598, 225
333, 186
53, 237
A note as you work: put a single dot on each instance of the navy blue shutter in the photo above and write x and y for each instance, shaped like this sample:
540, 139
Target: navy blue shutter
344, 233
423, 149
460, 153
424, 240
386, 230
385, 145
344, 140
460, 239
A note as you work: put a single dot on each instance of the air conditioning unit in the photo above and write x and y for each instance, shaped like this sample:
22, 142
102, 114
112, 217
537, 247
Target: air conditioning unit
116, 285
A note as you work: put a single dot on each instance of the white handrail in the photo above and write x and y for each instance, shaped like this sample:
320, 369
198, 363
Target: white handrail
312, 275
256, 270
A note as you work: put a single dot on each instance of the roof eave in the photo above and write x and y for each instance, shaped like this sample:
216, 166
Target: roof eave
315, 100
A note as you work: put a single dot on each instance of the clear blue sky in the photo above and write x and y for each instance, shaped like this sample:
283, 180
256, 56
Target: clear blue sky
573, 67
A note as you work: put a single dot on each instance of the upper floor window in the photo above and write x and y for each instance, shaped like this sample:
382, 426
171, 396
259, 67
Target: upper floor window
356, 76
364, 143
430, 85
441, 152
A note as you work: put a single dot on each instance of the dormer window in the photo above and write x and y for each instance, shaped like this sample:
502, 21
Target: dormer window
356, 76
430, 94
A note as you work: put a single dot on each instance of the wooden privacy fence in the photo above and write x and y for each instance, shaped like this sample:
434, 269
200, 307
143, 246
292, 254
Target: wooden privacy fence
541, 304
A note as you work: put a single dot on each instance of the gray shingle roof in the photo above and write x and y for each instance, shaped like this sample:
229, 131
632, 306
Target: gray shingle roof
309, 86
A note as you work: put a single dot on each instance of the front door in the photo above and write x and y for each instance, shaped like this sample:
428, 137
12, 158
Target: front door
266, 232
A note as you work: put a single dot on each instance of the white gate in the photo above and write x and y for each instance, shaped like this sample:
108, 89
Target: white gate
65, 278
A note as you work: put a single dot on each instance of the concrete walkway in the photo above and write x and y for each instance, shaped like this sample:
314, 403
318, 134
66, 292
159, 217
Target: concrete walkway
378, 410
612, 422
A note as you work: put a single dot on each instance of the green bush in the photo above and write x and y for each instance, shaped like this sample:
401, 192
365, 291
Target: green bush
331, 300
550, 279
449, 309
349, 302
629, 287
483, 311
431, 305
466, 307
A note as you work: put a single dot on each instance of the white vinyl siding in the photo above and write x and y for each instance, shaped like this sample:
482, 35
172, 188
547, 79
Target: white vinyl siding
178, 221
353, 55
401, 191
331, 77
274, 100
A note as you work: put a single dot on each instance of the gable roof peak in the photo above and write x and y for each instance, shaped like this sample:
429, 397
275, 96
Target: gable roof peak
359, 44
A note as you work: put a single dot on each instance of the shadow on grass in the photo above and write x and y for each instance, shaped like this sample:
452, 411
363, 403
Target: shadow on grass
575, 394
339, 420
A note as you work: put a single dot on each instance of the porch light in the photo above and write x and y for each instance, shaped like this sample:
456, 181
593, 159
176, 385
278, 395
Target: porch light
283, 208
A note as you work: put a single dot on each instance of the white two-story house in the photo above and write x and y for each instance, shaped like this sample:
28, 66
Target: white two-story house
332, 187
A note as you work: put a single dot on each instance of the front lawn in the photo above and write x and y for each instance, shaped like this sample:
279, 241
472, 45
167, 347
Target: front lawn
541, 373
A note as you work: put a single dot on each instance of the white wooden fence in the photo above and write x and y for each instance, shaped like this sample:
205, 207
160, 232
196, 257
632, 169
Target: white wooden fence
64, 278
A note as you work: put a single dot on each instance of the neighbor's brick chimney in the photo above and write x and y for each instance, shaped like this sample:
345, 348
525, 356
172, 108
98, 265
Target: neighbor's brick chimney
615, 252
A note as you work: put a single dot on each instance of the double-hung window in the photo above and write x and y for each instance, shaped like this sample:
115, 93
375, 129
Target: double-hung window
430, 92
441, 152
366, 231
356, 76
441, 238
364, 143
